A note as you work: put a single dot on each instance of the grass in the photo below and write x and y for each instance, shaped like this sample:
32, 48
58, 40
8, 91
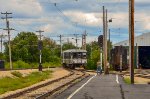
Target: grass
11, 84
46, 65
127, 80
22, 65
17, 74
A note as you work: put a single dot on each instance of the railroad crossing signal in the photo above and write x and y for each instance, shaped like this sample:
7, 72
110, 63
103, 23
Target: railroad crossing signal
40, 45
100, 41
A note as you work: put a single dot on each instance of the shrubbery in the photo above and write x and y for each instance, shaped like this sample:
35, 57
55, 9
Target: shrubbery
16, 73
18, 64
23, 65
10, 84
91, 65
46, 65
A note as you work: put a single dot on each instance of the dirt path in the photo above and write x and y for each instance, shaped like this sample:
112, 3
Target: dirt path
8, 73
57, 73
24, 72
139, 80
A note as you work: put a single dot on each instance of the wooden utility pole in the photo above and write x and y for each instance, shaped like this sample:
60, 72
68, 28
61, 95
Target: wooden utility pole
131, 39
105, 40
109, 47
8, 29
40, 48
106, 33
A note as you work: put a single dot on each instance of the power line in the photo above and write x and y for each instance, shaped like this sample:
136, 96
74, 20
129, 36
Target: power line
61, 12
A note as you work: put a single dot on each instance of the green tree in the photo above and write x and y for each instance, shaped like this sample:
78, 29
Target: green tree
2, 56
67, 46
93, 54
47, 51
25, 47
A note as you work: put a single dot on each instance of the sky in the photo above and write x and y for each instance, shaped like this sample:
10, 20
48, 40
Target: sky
68, 17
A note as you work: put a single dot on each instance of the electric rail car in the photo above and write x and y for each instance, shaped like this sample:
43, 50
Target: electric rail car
74, 58
116, 58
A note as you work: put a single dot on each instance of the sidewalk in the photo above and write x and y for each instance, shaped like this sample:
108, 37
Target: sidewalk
100, 87
137, 91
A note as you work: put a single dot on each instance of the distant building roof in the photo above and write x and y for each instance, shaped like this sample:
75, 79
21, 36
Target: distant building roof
141, 40
75, 50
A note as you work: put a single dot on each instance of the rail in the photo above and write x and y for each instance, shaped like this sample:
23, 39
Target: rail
48, 88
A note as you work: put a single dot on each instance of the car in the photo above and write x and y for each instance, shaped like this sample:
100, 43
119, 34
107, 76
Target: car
74, 58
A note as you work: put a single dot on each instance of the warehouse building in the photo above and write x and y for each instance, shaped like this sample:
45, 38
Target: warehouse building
142, 50
141, 40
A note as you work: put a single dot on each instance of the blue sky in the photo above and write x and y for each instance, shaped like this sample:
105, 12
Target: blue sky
75, 16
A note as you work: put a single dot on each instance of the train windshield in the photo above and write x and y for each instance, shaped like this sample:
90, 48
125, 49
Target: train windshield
67, 55
84, 55
75, 55
79, 55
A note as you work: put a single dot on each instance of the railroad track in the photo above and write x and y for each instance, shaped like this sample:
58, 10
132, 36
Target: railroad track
49, 88
139, 73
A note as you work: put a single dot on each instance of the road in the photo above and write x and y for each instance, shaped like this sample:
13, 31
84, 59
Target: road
105, 87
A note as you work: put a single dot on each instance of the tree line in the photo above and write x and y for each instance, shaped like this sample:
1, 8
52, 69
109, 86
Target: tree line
24, 47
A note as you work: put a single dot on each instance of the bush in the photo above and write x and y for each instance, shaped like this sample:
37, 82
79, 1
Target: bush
51, 64
21, 64
91, 65
127, 80
55, 59
16, 73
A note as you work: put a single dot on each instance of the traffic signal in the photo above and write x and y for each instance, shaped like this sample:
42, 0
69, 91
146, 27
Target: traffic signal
100, 41
40, 45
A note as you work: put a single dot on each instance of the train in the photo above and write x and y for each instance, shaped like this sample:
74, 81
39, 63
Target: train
119, 55
143, 57
73, 58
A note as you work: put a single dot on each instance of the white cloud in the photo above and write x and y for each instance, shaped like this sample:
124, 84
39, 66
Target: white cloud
83, 18
119, 19
47, 28
56, 26
25, 7
52, 21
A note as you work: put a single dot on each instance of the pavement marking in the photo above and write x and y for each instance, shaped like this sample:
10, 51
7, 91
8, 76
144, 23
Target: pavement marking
80, 87
117, 79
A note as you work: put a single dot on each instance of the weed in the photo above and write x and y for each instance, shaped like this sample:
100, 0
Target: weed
10, 84
16, 73
127, 80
